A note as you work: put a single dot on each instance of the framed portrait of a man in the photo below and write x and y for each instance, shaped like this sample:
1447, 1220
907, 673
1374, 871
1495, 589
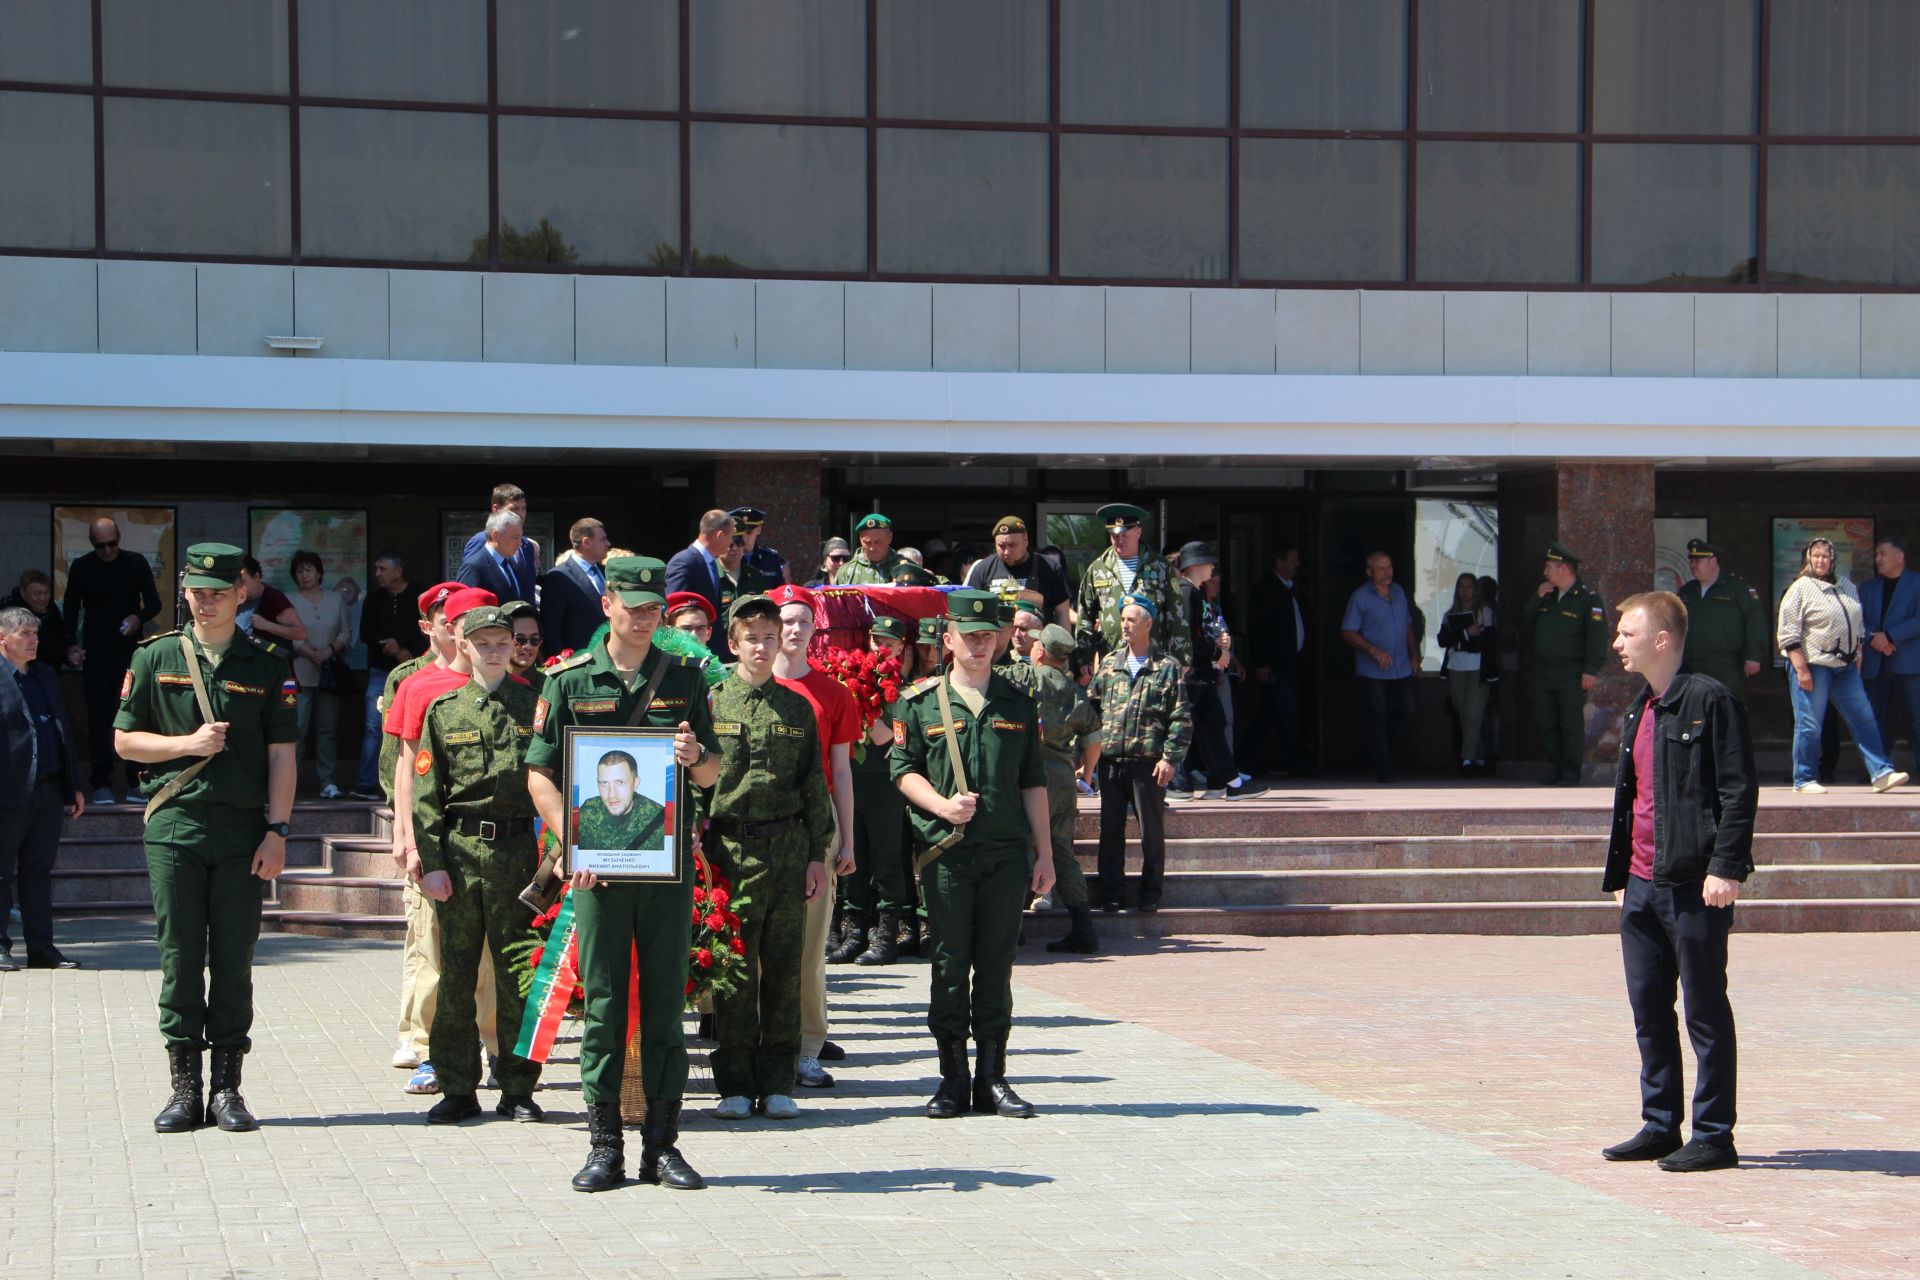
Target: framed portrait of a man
625, 795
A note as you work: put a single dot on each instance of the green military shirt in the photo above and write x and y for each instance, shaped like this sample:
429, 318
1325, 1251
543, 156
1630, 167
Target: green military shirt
1066, 715
389, 744
769, 761
642, 826
1097, 610
250, 689
1726, 623
1143, 717
472, 764
860, 570
1000, 749
1570, 629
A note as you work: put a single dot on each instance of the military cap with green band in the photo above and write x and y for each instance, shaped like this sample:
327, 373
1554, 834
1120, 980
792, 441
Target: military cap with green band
487, 615
636, 580
930, 629
909, 574
973, 610
1006, 610
759, 601
889, 627
1120, 515
213, 565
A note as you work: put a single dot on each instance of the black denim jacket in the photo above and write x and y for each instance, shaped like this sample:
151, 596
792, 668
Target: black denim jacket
1705, 787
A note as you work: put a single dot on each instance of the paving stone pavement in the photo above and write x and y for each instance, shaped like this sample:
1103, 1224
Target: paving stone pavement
1151, 1156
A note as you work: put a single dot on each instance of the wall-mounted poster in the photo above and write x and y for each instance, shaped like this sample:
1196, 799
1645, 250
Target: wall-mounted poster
458, 526
1671, 571
144, 531
1852, 544
624, 791
338, 537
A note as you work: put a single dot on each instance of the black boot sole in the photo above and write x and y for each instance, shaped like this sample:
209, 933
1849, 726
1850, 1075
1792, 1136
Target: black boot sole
1630, 1151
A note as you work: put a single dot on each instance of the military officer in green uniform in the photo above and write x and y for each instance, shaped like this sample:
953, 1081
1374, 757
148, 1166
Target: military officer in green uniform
602, 686
620, 817
1569, 625
875, 890
1066, 717
1727, 630
473, 831
973, 841
213, 712
876, 561
1123, 569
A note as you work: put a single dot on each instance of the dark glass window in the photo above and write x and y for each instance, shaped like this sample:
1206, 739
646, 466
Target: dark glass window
1151, 62
1843, 215
198, 177
46, 146
230, 46
1322, 209
1143, 207
986, 60
1494, 66
416, 51
1845, 68
393, 185
1316, 64
780, 57
589, 192
959, 203
46, 40
1673, 214
613, 54
1666, 67
1498, 212
779, 197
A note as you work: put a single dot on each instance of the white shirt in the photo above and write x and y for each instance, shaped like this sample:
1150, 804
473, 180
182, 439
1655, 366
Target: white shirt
1299, 623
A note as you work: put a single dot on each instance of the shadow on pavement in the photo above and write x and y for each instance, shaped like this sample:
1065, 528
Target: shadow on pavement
1895, 1164
884, 1182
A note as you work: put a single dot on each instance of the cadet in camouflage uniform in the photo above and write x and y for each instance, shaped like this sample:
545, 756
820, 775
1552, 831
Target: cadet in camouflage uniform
473, 830
1728, 636
1108, 581
1569, 625
440, 645
1066, 718
215, 842
876, 561
638, 823
977, 887
770, 825
874, 891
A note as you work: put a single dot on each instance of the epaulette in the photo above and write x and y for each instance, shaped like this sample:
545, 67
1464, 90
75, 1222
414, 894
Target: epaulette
164, 635
919, 687
263, 642
687, 660
580, 658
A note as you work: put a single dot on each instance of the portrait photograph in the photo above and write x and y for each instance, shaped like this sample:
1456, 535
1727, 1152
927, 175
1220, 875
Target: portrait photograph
623, 792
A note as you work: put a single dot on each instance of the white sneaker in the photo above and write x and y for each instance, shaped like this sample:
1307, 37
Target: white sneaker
1043, 903
406, 1058
778, 1106
1889, 780
329, 792
808, 1073
735, 1107
1810, 788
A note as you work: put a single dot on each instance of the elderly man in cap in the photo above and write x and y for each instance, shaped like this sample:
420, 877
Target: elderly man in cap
1212, 654
1123, 570
1728, 635
1066, 720
1013, 568
1569, 625
769, 565
876, 561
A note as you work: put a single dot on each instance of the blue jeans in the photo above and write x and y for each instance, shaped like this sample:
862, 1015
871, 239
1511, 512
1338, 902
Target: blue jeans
1841, 686
370, 738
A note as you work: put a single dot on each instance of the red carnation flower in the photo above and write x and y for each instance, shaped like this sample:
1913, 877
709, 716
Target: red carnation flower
715, 920
738, 946
699, 894
696, 917
733, 921
533, 957
691, 985
703, 958
720, 898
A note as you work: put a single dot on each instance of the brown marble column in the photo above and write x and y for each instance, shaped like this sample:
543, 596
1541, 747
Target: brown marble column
788, 490
1605, 516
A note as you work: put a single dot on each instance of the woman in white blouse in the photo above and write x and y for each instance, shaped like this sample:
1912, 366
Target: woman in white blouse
1821, 634
324, 614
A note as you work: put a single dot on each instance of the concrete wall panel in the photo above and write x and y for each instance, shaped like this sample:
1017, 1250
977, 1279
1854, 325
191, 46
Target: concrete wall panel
49, 304
1736, 335
1233, 330
1569, 335
1317, 331
1063, 329
345, 305
148, 308
435, 315
527, 319
1819, 335
1149, 330
800, 324
976, 328
1402, 333
889, 326
710, 323
620, 320
1652, 335
1486, 333
240, 305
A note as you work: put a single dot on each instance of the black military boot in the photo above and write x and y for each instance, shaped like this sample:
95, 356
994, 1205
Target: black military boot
660, 1161
911, 935
950, 1099
883, 945
606, 1166
184, 1111
225, 1106
853, 937
1081, 940
837, 930
992, 1095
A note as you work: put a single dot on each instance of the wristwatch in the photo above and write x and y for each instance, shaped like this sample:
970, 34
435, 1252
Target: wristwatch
281, 829
703, 757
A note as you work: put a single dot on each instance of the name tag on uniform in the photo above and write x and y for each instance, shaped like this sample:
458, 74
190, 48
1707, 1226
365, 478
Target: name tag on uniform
594, 706
788, 731
1011, 726
935, 730
727, 728
234, 686
1102, 580
463, 738
173, 677
669, 702
524, 733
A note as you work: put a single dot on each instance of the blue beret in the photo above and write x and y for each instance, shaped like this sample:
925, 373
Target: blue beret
1152, 611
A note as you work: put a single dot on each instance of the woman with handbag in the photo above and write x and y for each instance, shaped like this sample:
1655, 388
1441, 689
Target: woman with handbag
318, 666
1821, 633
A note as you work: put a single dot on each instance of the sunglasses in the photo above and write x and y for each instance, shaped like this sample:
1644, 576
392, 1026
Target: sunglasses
102, 546
838, 558
525, 642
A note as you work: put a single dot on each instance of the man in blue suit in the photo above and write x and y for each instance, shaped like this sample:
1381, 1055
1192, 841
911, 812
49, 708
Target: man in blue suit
696, 568
39, 786
1890, 608
497, 566
570, 592
510, 497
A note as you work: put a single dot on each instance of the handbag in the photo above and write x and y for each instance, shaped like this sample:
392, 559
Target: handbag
336, 676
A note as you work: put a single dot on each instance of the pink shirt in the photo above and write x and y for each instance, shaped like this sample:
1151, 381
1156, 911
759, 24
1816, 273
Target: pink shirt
1641, 863
833, 711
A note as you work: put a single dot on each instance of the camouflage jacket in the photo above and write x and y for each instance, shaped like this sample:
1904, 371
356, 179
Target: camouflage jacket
1143, 717
642, 826
472, 763
390, 745
769, 761
861, 570
1097, 610
1066, 717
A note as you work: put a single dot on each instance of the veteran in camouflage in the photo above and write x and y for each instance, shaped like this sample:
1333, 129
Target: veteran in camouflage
1145, 729
876, 561
1110, 579
1066, 719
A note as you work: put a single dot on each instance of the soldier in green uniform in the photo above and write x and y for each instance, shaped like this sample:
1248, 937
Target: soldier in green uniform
875, 891
1569, 625
213, 712
1066, 717
602, 686
473, 832
620, 817
974, 840
876, 561
1728, 634
770, 824
1123, 569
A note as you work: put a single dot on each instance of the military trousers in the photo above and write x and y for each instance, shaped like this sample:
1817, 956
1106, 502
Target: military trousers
484, 916
420, 979
1728, 668
206, 917
1560, 714
1063, 810
975, 898
877, 881
612, 922
757, 1027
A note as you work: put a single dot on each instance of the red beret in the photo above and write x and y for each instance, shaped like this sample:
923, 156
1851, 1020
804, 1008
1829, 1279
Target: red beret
436, 594
787, 593
465, 598
690, 600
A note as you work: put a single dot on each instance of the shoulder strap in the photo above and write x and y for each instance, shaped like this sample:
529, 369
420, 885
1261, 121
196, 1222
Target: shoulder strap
953, 747
178, 782
641, 707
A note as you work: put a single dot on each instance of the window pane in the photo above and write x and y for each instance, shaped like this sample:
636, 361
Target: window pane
954, 203
617, 54
1316, 64
1667, 213
1140, 208
1161, 62
607, 191
779, 197
46, 40
419, 51
197, 177
1500, 65
1675, 66
1505, 212
232, 46
1322, 210
1845, 68
780, 57
46, 144
402, 185
1843, 215
982, 61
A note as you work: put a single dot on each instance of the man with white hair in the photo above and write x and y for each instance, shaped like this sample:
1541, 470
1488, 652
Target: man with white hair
497, 565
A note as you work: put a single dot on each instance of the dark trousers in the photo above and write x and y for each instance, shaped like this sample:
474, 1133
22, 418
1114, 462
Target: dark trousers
616, 921
1670, 937
876, 882
1123, 780
1560, 713
1389, 706
206, 915
100, 678
29, 843
1883, 691
1211, 753
1276, 714
975, 897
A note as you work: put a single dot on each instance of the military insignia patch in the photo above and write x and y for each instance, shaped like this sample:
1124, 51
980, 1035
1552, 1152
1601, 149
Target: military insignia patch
126, 685
899, 728
540, 709
593, 706
1599, 611
234, 686
788, 731
464, 738
1015, 726
423, 763
289, 694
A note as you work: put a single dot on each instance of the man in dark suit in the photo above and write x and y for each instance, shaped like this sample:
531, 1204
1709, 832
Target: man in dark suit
510, 497
497, 565
39, 786
570, 592
110, 597
1890, 667
1276, 634
696, 568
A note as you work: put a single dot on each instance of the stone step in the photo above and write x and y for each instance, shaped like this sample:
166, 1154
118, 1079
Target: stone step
362, 856
128, 853
347, 895
310, 817
332, 924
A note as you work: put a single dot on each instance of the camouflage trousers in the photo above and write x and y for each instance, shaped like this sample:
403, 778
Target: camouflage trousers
484, 913
757, 1028
1063, 808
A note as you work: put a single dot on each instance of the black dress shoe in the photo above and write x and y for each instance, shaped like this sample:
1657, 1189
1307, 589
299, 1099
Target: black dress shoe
519, 1106
1698, 1156
50, 960
831, 1052
1148, 908
1648, 1144
1112, 905
454, 1108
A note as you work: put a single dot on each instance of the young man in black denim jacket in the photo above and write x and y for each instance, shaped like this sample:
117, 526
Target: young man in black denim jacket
1682, 843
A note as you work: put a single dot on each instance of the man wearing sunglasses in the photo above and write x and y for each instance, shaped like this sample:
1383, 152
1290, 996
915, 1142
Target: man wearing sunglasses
115, 596
525, 659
